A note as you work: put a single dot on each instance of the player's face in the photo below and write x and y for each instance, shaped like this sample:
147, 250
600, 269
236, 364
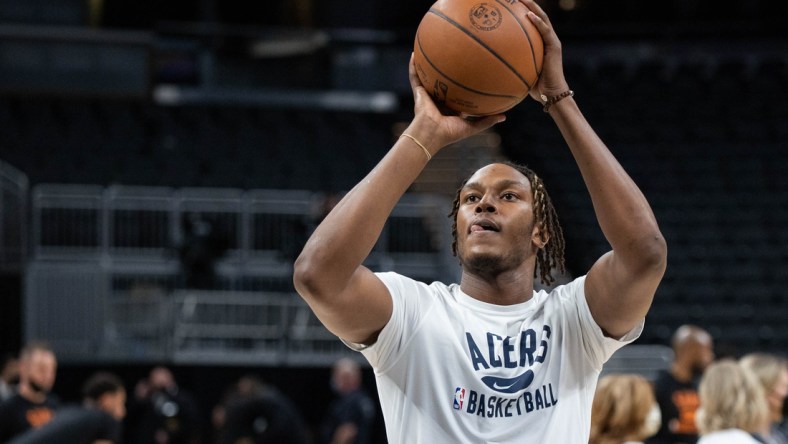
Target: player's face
39, 370
495, 220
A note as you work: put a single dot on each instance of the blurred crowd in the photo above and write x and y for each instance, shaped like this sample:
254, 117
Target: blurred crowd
700, 398
157, 410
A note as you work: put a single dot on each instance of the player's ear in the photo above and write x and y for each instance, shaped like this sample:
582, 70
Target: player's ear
540, 236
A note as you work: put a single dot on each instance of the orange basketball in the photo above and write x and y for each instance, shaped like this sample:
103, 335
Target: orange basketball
478, 57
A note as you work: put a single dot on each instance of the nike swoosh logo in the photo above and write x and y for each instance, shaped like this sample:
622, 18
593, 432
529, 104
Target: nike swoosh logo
509, 385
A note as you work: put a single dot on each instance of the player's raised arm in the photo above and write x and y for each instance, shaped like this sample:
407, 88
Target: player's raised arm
347, 297
621, 284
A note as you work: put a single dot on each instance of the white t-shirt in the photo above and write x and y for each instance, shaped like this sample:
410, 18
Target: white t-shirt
452, 369
728, 436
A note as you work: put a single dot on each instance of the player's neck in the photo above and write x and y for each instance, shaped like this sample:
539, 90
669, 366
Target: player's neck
507, 288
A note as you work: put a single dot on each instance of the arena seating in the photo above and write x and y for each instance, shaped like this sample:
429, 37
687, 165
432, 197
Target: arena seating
703, 137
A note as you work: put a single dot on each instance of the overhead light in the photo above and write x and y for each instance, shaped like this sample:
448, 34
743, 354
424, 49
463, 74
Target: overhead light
288, 44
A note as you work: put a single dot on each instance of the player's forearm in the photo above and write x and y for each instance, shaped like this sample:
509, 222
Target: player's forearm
624, 215
344, 239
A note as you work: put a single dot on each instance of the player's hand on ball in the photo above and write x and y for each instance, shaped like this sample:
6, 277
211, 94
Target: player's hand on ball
438, 129
551, 81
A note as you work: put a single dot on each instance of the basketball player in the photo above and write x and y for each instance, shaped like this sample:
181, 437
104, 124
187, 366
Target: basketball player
488, 359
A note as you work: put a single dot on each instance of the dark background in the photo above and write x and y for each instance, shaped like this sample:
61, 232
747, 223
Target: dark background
687, 113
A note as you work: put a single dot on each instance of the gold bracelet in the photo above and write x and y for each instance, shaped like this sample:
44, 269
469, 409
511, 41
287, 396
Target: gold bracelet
426, 151
555, 99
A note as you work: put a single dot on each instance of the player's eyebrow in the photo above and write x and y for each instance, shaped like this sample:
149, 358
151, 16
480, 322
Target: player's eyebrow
505, 183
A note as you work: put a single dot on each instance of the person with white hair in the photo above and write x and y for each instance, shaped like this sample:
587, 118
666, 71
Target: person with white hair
732, 405
772, 372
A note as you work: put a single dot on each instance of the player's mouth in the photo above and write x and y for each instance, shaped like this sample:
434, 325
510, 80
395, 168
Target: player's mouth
484, 225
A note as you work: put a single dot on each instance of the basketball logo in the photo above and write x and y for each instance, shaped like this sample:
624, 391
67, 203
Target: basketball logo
459, 398
485, 17
439, 91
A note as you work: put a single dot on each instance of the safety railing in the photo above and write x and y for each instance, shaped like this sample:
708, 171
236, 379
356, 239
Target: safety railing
108, 280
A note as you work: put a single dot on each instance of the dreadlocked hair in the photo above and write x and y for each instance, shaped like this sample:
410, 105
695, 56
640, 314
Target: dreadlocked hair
552, 255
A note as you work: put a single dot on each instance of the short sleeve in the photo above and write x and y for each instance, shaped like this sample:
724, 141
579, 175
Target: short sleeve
411, 301
598, 347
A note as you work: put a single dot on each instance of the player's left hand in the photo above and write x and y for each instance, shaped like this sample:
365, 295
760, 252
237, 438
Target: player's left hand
551, 81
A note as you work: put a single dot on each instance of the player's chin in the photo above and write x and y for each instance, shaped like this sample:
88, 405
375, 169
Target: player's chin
483, 262
482, 252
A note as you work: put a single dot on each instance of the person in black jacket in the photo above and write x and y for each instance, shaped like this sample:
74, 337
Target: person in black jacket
254, 412
161, 410
351, 416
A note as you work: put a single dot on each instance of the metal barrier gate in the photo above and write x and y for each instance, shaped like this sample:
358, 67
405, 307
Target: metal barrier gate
106, 280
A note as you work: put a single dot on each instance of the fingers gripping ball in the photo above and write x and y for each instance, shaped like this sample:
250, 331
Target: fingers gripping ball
478, 57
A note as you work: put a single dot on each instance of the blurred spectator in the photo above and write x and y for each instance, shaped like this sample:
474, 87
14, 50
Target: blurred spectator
676, 387
9, 376
200, 248
162, 412
624, 410
350, 417
33, 405
771, 371
96, 421
732, 405
255, 412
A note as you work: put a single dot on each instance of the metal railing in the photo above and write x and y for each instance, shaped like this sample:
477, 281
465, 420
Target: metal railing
644, 360
106, 280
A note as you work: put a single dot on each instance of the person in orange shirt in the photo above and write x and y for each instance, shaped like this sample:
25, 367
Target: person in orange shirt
96, 421
33, 405
677, 387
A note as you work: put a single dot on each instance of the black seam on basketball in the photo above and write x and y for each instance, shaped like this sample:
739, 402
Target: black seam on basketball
490, 50
443, 74
528, 36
